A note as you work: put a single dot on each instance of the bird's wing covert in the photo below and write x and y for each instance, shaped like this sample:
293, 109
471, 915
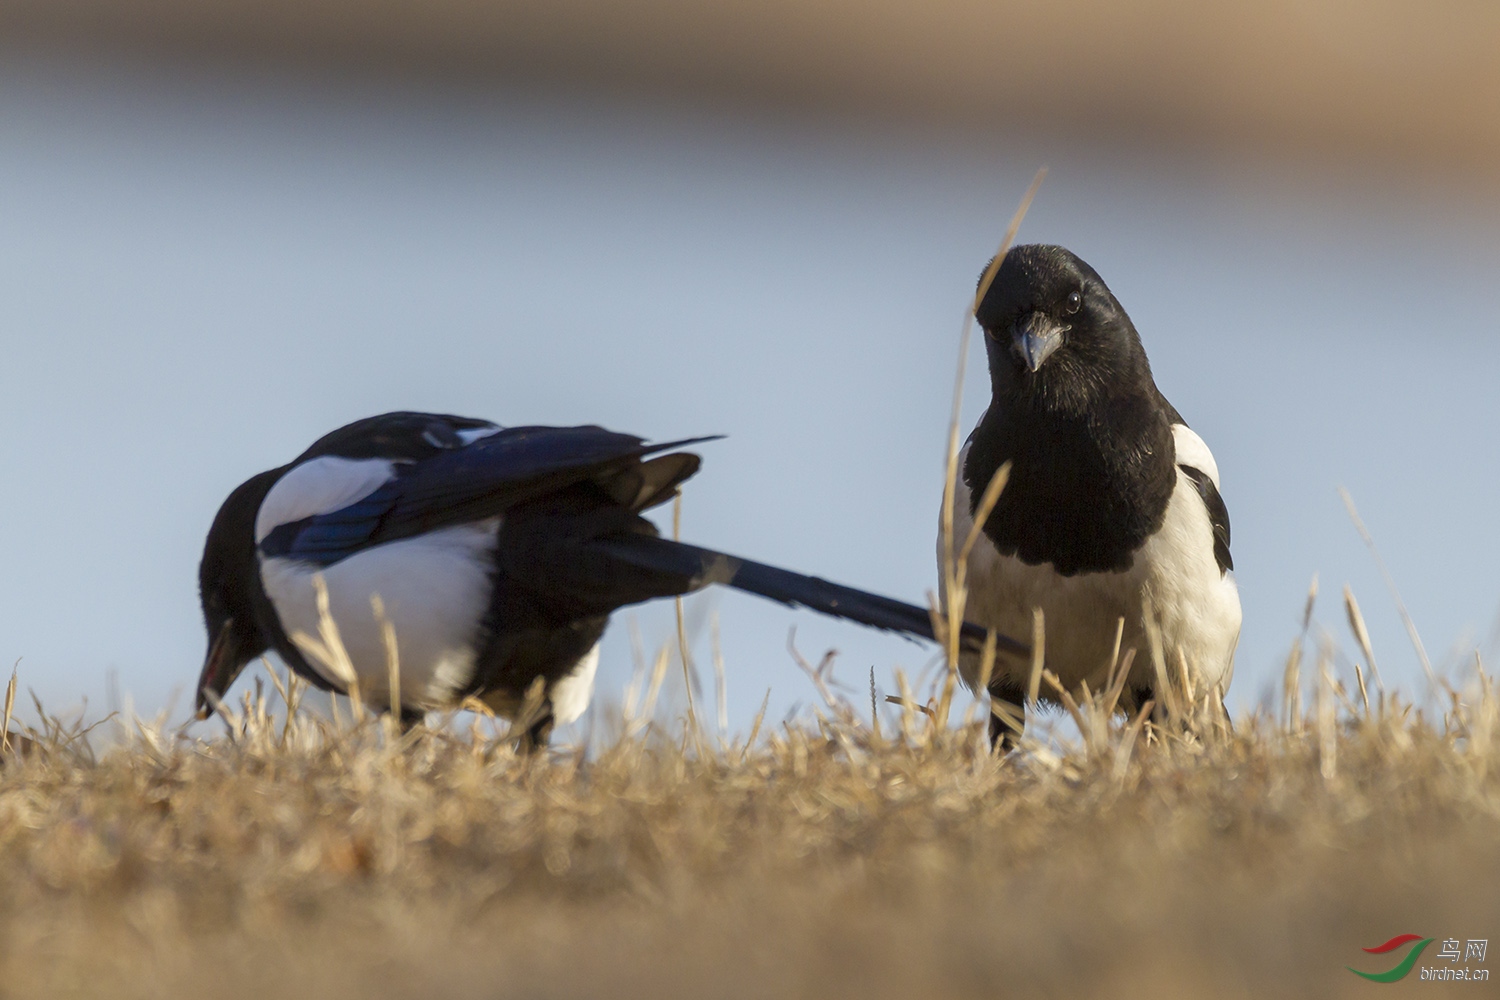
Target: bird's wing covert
459, 485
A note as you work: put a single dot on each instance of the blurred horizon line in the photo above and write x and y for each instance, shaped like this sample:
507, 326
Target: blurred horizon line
1385, 82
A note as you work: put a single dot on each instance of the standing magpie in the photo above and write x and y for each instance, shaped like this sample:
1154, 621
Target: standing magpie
1112, 507
497, 555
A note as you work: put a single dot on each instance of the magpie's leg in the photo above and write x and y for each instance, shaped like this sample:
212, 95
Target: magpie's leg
1132, 698
538, 733
1003, 735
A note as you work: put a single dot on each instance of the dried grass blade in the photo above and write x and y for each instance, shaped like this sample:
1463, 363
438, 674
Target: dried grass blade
328, 649
10, 706
1328, 744
721, 685
392, 655
981, 516
1010, 716
953, 595
1038, 656
1127, 742
1067, 702
760, 717
1364, 693
1117, 685
1165, 691
682, 645
1390, 582
1361, 634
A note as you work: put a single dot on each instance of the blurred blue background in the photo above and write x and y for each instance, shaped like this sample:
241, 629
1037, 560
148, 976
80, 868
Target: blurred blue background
205, 266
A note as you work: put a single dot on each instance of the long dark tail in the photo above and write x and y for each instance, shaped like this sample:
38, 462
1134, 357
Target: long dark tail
701, 567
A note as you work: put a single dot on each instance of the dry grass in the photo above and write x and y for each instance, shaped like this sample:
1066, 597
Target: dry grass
303, 856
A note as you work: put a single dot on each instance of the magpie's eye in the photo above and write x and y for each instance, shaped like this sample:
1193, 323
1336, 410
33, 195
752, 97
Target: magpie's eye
1075, 303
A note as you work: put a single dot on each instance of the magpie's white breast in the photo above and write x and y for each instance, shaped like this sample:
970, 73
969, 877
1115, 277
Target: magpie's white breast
1174, 572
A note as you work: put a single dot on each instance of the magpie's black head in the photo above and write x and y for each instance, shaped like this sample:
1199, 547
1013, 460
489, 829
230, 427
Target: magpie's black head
1054, 331
227, 582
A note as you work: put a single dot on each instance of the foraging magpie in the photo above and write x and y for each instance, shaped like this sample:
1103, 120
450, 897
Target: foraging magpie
1112, 507
497, 555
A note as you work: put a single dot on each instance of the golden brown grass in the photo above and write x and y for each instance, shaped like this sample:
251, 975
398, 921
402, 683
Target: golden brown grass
302, 856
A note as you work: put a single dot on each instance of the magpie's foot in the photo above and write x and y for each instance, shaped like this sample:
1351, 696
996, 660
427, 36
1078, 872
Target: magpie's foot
537, 734
1008, 725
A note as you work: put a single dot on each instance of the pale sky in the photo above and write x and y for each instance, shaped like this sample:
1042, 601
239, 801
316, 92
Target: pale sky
200, 274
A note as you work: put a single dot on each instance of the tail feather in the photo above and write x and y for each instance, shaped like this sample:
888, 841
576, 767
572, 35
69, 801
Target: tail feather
705, 566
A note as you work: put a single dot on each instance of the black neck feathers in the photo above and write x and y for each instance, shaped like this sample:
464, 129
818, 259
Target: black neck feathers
1083, 493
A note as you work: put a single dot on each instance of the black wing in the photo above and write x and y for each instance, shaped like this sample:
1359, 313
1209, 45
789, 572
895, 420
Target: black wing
403, 436
458, 483
1218, 515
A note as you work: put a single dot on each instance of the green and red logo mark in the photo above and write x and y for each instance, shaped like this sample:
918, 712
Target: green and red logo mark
1401, 968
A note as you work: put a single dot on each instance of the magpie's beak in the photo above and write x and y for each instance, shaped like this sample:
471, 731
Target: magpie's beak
220, 668
1035, 336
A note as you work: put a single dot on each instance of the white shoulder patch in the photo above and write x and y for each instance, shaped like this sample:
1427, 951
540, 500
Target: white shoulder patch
1191, 450
319, 486
472, 434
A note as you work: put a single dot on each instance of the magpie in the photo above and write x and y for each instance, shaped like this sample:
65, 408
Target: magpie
497, 555
1112, 507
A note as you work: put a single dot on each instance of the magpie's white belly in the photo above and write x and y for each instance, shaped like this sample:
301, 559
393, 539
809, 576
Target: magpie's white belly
1174, 572
435, 589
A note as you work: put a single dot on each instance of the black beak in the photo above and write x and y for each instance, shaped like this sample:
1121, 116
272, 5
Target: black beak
220, 668
1035, 337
